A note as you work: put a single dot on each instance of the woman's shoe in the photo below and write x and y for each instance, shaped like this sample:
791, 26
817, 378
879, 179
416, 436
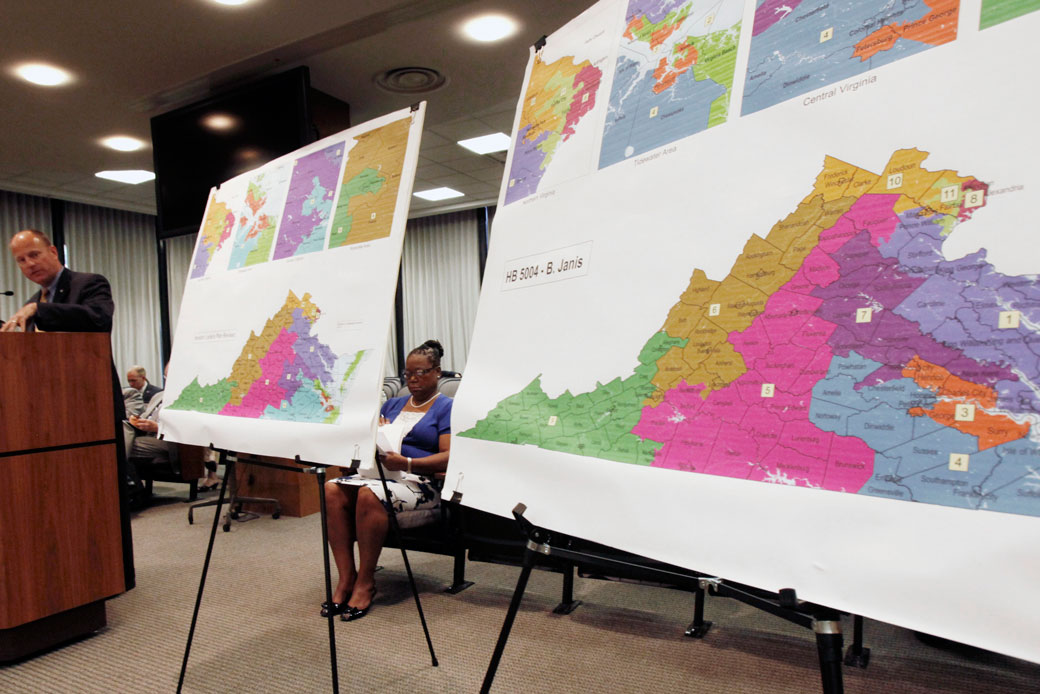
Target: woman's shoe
209, 487
353, 613
349, 613
337, 608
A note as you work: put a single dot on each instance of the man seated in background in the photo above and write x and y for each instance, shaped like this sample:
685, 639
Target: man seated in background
140, 434
145, 391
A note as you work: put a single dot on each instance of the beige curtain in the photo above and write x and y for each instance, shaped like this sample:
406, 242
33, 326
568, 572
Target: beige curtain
121, 246
178, 263
441, 283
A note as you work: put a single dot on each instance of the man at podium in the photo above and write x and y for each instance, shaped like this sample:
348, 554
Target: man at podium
72, 302
68, 301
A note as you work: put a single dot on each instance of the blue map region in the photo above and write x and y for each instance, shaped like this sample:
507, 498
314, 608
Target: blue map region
912, 454
789, 59
633, 126
304, 406
960, 302
318, 206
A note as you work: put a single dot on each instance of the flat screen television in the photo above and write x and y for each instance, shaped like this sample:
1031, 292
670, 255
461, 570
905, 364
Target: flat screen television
204, 144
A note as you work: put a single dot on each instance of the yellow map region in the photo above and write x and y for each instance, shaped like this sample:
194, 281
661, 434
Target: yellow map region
216, 225
709, 310
548, 100
371, 180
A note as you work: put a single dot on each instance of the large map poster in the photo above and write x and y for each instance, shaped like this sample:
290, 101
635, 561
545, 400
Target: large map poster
289, 298
799, 347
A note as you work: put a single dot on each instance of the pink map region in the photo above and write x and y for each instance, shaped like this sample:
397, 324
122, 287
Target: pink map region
588, 78
739, 432
871, 212
818, 270
265, 391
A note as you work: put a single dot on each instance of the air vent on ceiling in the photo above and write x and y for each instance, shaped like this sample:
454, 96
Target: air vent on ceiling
411, 80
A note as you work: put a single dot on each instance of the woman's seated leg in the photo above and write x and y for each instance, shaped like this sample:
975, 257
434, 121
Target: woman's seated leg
341, 502
371, 526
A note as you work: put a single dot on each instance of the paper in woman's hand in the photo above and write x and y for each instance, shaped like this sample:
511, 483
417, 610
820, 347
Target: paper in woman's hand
389, 437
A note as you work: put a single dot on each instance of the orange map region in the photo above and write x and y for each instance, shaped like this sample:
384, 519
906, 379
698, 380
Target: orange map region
254, 200
633, 26
937, 27
665, 76
991, 429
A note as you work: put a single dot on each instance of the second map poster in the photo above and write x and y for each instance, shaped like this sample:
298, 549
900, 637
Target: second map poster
762, 300
282, 333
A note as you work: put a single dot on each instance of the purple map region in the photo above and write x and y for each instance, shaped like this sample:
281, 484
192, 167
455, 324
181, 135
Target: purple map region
526, 171
308, 205
772, 11
653, 10
315, 357
957, 302
869, 280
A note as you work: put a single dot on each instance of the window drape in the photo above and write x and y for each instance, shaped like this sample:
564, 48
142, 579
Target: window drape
178, 262
441, 283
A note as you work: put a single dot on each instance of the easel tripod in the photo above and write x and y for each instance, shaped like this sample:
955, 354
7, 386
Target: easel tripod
229, 460
824, 621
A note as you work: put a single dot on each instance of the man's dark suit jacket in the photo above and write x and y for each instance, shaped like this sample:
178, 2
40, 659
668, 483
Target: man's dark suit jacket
82, 303
149, 392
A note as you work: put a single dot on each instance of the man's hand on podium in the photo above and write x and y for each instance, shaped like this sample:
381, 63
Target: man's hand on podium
17, 322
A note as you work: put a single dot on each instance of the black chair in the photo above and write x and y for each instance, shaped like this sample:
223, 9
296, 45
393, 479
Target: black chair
439, 537
185, 464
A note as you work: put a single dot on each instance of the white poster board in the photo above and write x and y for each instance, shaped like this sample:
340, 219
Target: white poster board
778, 321
284, 321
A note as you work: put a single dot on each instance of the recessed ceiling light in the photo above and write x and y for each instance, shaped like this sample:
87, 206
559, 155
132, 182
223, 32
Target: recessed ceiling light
485, 144
122, 143
43, 74
134, 176
231, 3
435, 194
490, 27
220, 121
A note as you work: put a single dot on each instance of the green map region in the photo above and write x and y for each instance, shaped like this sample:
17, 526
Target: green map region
999, 11
283, 373
843, 351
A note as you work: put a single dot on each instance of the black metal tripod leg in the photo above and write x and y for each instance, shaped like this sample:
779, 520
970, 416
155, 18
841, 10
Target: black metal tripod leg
320, 474
856, 655
828, 643
395, 528
567, 602
229, 463
698, 629
514, 607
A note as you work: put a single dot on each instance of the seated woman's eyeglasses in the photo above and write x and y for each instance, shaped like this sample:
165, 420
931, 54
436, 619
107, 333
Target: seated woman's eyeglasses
418, 372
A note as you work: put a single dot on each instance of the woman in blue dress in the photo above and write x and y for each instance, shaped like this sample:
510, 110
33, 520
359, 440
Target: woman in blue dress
356, 511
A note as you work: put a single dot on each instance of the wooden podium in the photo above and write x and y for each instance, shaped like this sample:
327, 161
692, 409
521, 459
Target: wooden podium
62, 523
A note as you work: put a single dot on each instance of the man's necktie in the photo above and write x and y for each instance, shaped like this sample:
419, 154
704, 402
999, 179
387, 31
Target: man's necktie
43, 300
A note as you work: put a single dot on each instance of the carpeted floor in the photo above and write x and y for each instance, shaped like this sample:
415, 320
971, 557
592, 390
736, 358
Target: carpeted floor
259, 631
